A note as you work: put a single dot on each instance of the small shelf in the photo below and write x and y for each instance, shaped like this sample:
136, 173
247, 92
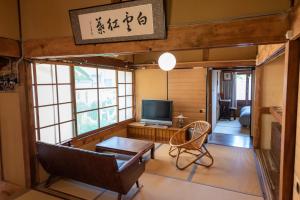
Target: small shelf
276, 112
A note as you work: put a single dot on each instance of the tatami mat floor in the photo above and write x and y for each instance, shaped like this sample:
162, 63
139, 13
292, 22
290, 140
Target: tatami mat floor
232, 177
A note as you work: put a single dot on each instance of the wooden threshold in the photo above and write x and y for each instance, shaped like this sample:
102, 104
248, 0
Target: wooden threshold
239, 32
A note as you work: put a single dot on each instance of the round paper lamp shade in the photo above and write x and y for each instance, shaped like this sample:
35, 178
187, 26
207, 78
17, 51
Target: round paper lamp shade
167, 61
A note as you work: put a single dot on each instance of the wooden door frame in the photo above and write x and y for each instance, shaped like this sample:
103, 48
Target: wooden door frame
289, 119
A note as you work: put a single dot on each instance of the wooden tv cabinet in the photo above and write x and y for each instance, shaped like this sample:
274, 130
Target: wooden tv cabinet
150, 132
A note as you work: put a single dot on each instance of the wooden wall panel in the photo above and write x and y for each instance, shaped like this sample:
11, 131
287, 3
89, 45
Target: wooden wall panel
266, 53
289, 120
187, 89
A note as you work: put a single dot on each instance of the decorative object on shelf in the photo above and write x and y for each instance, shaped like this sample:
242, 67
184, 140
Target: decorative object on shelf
8, 75
167, 61
227, 76
124, 21
180, 120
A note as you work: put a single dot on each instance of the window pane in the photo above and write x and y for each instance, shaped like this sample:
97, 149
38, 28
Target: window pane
128, 77
128, 89
85, 77
63, 73
64, 93
87, 121
121, 76
86, 100
121, 102
107, 78
122, 115
48, 115
107, 97
128, 113
46, 94
66, 131
241, 86
129, 101
121, 90
65, 112
45, 74
108, 116
49, 134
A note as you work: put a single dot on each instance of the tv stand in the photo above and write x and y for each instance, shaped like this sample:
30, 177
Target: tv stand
156, 133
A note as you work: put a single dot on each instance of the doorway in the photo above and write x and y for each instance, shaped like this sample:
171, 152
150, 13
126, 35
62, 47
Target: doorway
231, 107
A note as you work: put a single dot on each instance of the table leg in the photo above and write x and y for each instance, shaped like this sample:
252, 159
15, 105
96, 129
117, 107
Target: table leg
152, 152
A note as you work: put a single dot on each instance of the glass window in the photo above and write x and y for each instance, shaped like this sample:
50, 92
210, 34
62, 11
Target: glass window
101, 102
108, 116
85, 77
54, 102
107, 78
125, 93
86, 100
101, 97
107, 97
87, 121
241, 86
47, 94
63, 74
121, 77
45, 74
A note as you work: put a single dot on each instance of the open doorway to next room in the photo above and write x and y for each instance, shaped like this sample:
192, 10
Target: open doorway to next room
231, 107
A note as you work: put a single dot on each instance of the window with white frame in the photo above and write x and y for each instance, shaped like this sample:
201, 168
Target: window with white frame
125, 94
52, 99
71, 101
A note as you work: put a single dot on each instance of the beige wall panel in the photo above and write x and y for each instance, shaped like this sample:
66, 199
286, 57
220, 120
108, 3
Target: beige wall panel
50, 18
272, 89
233, 53
187, 90
9, 22
149, 84
195, 11
11, 138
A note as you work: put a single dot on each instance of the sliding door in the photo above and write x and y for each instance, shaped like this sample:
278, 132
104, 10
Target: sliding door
187, 89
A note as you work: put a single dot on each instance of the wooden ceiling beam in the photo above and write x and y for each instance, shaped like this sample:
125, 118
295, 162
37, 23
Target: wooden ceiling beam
9, 47
295, 22
99, 60
239, 32
208, 64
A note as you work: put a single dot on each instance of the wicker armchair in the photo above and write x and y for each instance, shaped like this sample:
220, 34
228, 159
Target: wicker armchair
199, 131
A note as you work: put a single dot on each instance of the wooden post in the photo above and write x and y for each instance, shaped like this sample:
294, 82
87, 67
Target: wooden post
289, 119
256, 117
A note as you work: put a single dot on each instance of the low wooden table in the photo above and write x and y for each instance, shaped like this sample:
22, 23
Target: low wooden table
125, 146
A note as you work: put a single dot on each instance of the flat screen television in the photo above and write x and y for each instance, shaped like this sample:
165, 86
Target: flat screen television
157, 112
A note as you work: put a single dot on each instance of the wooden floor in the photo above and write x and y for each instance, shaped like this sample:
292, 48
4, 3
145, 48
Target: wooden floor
230, 140
9, 191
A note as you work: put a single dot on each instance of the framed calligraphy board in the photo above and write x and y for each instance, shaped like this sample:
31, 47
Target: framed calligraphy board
126, 21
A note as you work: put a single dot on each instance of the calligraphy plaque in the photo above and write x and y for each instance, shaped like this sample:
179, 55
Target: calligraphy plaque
126, 21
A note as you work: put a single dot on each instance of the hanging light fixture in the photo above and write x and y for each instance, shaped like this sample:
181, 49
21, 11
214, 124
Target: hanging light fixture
167, 61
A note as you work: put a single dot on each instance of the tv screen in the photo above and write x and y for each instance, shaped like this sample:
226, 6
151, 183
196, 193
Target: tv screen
157, 110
